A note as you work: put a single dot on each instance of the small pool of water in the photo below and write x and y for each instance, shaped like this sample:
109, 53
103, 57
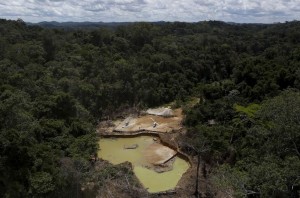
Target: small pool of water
112, 149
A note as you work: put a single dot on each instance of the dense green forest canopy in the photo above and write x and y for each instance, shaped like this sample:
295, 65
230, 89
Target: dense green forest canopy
56, 84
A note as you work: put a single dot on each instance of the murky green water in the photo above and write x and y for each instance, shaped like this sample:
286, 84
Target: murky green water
112, 149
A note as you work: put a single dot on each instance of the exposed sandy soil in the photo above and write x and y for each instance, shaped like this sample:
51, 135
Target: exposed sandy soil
165, 112
158, 154
151, 123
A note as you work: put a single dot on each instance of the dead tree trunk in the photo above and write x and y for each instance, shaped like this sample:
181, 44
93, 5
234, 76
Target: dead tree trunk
197, 193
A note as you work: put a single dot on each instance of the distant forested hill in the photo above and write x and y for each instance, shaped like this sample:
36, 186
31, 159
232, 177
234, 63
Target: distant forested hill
78, 25
56, 84
85, 25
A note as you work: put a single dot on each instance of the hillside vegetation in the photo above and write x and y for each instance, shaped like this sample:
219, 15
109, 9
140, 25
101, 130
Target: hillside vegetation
56, 84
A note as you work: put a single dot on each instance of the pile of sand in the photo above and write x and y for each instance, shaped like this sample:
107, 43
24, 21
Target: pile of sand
157, 154
165, 112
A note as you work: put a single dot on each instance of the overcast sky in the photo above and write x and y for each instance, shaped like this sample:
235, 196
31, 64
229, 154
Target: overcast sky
245, 11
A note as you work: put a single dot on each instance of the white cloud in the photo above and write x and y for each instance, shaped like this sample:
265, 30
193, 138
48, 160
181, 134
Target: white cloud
151, 10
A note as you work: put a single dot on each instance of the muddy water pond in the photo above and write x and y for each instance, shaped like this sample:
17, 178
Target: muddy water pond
114, 150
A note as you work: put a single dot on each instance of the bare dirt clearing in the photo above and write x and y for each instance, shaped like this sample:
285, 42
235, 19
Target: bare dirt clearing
153, 123
158, 154
163, 153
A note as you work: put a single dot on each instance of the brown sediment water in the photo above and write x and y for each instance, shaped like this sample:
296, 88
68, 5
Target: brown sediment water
158, 182
112, 150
